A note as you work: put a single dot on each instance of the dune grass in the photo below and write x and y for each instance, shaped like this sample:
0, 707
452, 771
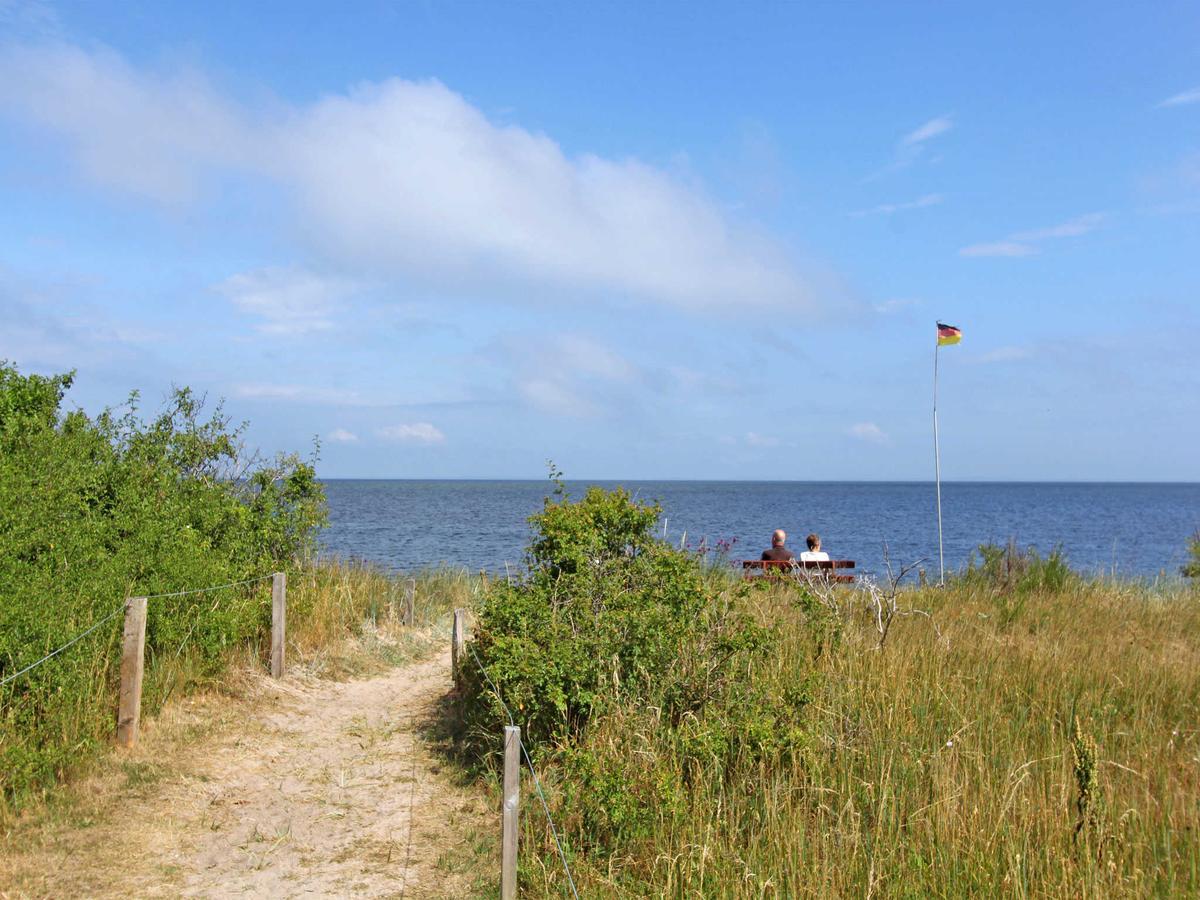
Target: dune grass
1008, 739
1015, 741
343, 619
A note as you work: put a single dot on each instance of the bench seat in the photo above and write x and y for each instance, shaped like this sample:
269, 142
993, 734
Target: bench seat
798, 570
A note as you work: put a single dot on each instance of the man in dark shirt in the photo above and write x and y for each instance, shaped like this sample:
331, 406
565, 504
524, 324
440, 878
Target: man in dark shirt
778, 552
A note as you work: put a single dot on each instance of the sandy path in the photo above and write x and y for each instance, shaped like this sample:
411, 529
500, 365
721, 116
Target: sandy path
310, 789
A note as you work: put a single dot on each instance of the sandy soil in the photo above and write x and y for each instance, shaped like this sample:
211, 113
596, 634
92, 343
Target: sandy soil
304, 788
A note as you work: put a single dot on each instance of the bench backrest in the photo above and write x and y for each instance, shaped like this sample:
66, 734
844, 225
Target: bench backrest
797, 564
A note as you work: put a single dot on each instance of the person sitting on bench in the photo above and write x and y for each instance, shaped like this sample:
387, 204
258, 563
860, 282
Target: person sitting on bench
813, 553
778, 552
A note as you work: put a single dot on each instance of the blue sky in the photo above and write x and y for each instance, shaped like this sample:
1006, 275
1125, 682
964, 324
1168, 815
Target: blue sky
667, 240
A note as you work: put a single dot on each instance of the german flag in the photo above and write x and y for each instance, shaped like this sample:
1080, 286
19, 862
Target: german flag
948, 334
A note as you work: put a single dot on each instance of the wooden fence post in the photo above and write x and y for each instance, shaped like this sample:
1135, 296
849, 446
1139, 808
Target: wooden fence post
457, 645
410, 603
510, 812
278, 622
129, 707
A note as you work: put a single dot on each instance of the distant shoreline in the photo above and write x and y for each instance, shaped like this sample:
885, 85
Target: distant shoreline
573, 480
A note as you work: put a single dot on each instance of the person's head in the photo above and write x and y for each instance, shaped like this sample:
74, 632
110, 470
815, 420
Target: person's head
779, 538
813, 541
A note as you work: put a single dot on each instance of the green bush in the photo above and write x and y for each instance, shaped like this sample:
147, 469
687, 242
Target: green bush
630, 667
603, 614
1009, 568
93, 510
1191, 569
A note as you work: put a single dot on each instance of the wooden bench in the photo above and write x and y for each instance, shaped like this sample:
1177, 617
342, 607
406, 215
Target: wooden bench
796, 570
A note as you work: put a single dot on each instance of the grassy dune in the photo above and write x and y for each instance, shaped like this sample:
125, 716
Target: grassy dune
1041, 743
1006, 739
341, 619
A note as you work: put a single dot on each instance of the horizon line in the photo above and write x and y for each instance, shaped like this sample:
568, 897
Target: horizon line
930, 481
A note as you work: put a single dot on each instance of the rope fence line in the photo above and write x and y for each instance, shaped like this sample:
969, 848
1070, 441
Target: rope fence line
529, 762
492, 684
549, 818
206, 590
120, 608
54, 653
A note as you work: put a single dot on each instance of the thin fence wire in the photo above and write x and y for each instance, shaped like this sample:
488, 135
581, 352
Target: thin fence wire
529, 762
549, 818
80, 637
199, 614
495, 690
54, 653
206, 590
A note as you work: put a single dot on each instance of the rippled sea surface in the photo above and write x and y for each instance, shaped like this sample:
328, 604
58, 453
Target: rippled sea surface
1129, 529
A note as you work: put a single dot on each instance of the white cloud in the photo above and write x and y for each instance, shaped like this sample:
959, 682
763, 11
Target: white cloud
290, 301
1073, 228
913, 146
409, 179
1024, 243
1184, 98
413, 433
154, 136
929, 130
869, 432
887, 209
342, 436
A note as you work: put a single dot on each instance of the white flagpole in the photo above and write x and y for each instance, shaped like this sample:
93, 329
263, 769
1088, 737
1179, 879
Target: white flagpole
937, 464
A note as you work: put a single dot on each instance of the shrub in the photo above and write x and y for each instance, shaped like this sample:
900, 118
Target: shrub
1191, 569
629, 665
602, 614
1010, 568
93, 510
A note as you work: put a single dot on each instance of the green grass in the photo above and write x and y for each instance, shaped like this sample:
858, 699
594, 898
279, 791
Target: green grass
944, 764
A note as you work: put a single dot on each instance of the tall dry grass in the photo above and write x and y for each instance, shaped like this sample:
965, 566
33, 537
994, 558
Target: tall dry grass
1035, 744
343, 617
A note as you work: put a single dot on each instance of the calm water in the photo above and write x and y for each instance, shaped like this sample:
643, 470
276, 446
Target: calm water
1134, 529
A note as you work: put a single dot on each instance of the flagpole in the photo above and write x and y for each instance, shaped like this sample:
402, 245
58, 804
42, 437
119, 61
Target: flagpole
937, 467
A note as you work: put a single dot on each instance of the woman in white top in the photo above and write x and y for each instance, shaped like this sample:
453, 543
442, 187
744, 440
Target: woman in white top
813, 553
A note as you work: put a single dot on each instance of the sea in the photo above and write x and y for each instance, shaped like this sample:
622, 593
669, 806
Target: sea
1130, 530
